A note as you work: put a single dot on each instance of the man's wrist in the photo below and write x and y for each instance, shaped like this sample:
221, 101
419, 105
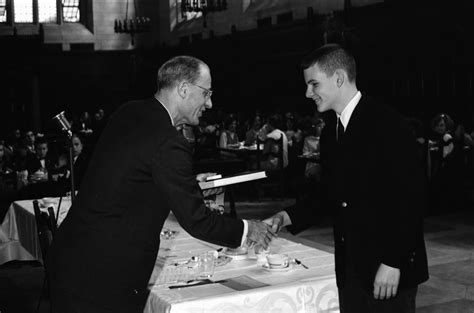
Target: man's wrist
245, 232
286, 218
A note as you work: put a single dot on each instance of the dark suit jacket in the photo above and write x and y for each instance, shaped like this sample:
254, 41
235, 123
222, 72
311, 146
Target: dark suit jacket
375, 187
141, 169
80, 167
33, 164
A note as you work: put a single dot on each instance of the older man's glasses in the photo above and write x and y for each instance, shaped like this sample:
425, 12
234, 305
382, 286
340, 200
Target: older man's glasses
208, 92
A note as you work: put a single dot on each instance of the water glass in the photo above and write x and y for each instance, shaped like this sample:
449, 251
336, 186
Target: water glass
206, 264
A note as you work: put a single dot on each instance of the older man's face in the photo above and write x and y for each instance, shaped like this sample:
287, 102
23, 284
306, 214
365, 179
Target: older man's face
198, 99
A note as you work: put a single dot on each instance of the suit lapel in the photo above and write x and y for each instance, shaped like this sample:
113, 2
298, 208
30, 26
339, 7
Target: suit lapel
355, 129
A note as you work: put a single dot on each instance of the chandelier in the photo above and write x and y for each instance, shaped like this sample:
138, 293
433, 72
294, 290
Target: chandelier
204, 6
132, 26
138, 24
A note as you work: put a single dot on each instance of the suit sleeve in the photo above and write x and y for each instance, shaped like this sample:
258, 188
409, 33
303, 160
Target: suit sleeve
309, 210
173, 174
406, 201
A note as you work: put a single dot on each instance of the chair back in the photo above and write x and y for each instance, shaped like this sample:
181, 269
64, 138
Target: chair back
259, 152
44, 231
275, 177
52, 222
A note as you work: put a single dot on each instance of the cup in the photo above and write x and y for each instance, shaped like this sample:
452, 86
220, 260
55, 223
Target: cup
47, 202
276, 261
206, 264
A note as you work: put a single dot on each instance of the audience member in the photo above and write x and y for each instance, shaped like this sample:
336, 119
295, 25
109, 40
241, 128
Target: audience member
292, 132
229, 137
442, 126
29, 140
251, 135
39, 164
271, 135
311, 147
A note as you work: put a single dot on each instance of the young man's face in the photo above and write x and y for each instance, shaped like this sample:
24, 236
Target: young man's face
41, 150
321, 88
441, 127
76, 146
30, 137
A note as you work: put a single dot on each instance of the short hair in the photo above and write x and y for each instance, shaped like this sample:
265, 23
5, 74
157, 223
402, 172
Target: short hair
177, 69
40, 141
228, 121
78, 136
442, 117
275, 121
329, 58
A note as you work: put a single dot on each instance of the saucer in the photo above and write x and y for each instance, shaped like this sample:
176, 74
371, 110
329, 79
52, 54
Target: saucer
236, 254
284, 269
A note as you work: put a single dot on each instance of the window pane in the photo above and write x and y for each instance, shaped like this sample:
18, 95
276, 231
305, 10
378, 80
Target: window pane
23, 11
47, 11
3, 11
71, 11
71, 3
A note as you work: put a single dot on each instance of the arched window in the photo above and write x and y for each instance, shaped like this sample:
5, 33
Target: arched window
39, 11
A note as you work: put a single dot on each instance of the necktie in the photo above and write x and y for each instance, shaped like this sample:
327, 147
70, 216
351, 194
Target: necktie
339, 130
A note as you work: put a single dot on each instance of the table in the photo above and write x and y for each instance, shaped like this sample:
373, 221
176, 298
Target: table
297, 290
18, 237
246, 153
311, 157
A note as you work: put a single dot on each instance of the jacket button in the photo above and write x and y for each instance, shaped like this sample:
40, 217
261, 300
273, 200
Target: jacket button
344, 204
135, 291
342, 239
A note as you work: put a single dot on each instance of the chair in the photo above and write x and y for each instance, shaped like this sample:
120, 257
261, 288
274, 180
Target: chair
52, 223
44, 229
276, 177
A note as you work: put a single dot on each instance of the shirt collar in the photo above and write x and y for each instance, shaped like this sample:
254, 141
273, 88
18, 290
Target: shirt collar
172, 122
347, 112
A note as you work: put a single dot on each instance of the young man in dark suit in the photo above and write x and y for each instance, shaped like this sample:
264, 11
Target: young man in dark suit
105, 250
374, 186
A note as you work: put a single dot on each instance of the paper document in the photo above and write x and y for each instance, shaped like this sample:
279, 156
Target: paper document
234, 179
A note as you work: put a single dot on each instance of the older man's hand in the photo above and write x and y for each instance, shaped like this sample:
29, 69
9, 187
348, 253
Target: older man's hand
259, 233
203, 176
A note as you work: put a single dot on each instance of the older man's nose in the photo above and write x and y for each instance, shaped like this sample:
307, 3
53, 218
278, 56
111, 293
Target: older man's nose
208, 103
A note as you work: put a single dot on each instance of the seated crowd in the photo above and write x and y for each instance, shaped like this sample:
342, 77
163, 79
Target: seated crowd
35, 165
446, 149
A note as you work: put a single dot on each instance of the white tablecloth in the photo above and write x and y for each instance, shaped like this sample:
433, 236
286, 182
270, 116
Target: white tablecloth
18, 237
297, 290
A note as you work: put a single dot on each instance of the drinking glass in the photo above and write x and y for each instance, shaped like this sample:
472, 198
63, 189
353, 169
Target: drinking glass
206, 264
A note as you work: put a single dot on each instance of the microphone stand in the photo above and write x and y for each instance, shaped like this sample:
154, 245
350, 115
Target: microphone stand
65, 126
71, 166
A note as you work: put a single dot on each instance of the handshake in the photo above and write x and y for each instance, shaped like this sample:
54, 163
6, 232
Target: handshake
262, 232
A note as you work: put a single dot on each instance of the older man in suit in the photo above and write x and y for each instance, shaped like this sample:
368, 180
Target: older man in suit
105, 250
374, 186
